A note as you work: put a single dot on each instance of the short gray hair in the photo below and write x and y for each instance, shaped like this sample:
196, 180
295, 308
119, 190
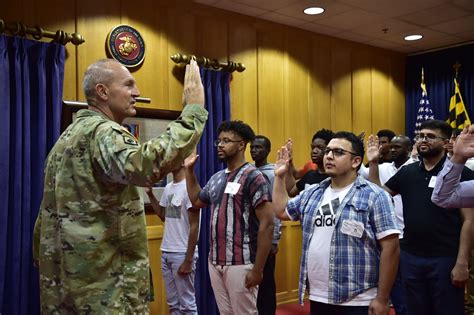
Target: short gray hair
96, 73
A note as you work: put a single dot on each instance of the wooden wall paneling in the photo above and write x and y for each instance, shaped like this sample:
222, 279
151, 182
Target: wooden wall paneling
288, 262
319, 110
341, 86
271, 80
297, 87
361, 92
244, 86
155, 237
380, 92
181, 36
95, 19
152, 75
396, 98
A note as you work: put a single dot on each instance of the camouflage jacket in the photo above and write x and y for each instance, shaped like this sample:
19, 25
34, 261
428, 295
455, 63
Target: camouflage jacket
90, 235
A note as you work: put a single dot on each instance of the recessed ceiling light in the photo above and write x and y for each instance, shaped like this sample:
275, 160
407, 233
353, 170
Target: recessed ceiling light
414, 37
313, 10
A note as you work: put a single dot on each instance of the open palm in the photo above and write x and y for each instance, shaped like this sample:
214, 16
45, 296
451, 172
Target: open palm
281, 164
190, 161
373, 148
464, 145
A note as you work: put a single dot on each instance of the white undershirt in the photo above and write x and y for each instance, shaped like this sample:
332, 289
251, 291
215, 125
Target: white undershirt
319, 250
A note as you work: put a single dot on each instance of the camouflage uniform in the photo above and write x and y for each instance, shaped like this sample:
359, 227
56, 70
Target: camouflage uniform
90, 234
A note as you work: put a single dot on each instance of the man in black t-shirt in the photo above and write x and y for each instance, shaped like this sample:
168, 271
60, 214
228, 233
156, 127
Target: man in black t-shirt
436, 241
318, 145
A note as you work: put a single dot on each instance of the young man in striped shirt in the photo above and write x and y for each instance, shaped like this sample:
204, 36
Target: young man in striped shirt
241, 220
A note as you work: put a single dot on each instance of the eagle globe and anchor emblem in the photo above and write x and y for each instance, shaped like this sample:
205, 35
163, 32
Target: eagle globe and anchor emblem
126, 45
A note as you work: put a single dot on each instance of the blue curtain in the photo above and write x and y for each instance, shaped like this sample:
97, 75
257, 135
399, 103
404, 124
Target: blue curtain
439, 75
217, 92
31, 88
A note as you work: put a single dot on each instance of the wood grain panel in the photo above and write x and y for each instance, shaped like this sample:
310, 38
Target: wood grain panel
155, 65
341, 87
181, 36
244, 88
271, 79
297, 88
361, 92
380, 92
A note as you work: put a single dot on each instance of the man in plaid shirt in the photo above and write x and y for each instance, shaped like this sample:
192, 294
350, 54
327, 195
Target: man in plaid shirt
350, 236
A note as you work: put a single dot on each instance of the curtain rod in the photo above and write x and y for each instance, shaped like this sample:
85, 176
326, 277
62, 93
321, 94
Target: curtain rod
60, 36
229, 66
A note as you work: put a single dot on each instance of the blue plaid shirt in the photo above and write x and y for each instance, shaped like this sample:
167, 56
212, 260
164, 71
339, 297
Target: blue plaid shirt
353, 262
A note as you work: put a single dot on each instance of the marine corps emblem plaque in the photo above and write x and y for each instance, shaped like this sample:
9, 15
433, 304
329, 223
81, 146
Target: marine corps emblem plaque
126, 45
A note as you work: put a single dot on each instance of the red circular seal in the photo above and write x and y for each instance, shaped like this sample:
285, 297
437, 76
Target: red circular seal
126, 45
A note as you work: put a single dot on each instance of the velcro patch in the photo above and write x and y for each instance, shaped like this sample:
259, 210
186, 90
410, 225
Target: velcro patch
129, 140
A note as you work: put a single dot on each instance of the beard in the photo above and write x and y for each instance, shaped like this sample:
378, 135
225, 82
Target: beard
431, 152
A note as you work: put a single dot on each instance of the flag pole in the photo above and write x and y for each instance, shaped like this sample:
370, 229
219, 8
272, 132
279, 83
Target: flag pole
423, 86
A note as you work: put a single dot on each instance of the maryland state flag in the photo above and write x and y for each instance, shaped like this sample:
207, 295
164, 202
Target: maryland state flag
458, 117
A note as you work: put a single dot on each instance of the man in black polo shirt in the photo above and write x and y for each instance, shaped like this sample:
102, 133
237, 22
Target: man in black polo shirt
436, 241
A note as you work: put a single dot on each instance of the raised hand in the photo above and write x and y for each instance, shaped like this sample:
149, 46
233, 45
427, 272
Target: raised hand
281, 164
190, 161
373, 148
289, 147
193, 92
464, 146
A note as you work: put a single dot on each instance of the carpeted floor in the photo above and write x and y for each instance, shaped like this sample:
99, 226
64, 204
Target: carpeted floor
296, 309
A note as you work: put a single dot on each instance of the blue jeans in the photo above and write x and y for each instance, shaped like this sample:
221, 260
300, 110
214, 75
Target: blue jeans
428, 287
180, 292
397, 295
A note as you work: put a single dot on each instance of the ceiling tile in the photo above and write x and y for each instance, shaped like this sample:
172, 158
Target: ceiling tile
392, 27
436, 42
270, 5
320, 29
465, 4
393, 8
207, 2
466, 35
282, 19
442, 13
331, 8
428, 35
351, 19
461, 25
230, 5
354, 37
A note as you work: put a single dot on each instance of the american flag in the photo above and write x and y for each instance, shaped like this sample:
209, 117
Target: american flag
425, 112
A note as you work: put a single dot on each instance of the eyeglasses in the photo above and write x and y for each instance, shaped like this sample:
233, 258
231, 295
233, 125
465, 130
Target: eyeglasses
337, 152
224, 142
428, 136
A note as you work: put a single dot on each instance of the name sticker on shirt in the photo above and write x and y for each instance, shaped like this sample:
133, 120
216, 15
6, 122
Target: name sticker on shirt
352, 228
432, 182
232, 188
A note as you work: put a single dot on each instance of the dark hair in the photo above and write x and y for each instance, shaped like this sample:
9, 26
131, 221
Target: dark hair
238, 127
441, 125
324, 134
266, 141
357, 144
386, 133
